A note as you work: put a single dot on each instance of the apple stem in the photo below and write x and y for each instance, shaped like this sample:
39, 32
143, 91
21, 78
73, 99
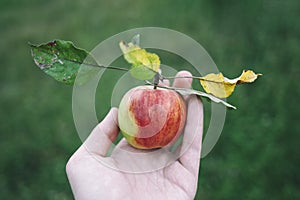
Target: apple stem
156, 80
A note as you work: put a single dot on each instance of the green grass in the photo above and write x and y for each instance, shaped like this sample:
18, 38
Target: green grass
257, 156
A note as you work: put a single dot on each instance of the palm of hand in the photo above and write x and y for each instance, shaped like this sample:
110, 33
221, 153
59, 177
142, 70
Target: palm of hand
96, 181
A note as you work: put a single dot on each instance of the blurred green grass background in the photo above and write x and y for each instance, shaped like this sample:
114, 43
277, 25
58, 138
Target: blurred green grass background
257, 156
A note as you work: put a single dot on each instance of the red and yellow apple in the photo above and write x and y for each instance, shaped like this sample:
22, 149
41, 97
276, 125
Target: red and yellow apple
151, 118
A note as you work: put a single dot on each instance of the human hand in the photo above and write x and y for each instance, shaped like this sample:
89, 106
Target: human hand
91, 179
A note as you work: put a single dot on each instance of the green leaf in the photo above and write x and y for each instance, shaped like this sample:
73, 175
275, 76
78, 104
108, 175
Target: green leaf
62, 61
144, 64
141, 73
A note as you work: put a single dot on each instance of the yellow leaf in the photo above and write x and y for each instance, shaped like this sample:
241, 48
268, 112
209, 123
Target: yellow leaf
215, 84
139, 57
222, 87
247, 76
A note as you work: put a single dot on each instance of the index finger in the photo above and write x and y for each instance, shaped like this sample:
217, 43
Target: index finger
192, 139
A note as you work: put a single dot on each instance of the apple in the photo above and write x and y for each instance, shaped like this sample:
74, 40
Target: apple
151, 118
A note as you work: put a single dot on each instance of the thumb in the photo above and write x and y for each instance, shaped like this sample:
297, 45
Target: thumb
101, 138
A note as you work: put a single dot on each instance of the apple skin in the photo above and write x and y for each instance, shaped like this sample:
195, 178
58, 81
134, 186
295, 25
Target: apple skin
151, 118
